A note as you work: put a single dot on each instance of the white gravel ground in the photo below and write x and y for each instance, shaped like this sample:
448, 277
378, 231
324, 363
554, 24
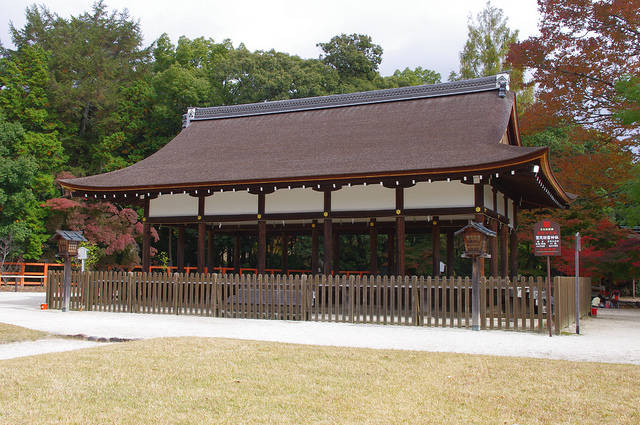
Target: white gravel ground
49, 345
612, 337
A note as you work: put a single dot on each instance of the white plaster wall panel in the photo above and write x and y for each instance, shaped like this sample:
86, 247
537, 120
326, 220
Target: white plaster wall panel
294, 200
439, 194
500, 203
488, 197
178, 205
363, 198
230, 203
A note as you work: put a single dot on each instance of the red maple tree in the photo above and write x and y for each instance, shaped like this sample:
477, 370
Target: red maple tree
114, 231
584, 48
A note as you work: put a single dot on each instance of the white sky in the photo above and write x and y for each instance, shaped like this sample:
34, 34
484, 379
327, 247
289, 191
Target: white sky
428, 33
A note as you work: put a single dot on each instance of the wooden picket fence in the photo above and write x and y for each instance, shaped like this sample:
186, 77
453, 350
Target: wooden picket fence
419, 301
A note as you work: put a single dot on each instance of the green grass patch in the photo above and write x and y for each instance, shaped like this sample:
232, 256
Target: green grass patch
11, 333
204, 380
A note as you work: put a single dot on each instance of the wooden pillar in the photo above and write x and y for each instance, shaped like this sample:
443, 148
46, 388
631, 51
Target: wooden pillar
210, 248
373, 247
202, 232
336, 251
435, 242
180, 253
504, 250
328, 234
262, 235
391, 256
285, 253
146, 238
170, 244
513, 248
493, 248
400, 230
450, 254
236, 253
314, 247
146, 246
479, 217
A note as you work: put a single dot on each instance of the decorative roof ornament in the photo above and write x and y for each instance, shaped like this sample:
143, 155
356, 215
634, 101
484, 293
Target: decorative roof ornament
502, 84
186, 118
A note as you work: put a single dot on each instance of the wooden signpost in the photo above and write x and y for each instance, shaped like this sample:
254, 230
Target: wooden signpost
547, 243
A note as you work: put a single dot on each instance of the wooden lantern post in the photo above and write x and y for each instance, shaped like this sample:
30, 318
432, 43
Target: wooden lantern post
68, 244
475, 245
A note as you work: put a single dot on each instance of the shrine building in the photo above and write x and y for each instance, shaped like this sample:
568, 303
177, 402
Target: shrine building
412, 159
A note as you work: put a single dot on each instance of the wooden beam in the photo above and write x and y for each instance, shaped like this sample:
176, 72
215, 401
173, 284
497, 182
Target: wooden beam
373, 247
316, 215
435, 239
450, 253
180, 253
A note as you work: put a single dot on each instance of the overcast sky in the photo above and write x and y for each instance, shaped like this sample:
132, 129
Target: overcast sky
428, 33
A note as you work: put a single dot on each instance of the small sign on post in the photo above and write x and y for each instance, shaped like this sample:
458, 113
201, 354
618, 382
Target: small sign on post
82, 255
547, 243
546, 237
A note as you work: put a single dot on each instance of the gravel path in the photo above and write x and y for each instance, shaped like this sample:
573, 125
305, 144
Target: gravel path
612, 337
41, 346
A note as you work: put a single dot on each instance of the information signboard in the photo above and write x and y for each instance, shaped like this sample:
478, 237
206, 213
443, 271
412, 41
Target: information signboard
546, 238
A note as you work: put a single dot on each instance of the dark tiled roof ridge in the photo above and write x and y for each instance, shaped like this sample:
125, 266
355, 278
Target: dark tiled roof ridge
346, 99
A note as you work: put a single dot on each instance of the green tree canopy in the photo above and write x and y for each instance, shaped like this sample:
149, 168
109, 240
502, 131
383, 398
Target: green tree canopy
488, 41
353, 55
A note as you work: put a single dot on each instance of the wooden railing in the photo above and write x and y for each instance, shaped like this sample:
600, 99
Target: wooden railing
443, 302
231, 270
27, 274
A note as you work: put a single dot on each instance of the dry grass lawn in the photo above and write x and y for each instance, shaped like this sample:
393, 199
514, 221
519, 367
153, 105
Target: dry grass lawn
202, 380
11, 333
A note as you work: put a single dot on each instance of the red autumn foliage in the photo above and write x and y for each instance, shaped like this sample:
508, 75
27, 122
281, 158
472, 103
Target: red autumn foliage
583, 48
113, 230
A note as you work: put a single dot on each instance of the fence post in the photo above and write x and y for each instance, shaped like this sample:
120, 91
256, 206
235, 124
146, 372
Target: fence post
175, 280
415, 303
352, 282
48, 289
556, 304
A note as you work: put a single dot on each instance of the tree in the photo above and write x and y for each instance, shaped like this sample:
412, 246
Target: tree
412, 77
488, 42
628, 88
583, 50
112, 230
20, 215
91, 58
353, 55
